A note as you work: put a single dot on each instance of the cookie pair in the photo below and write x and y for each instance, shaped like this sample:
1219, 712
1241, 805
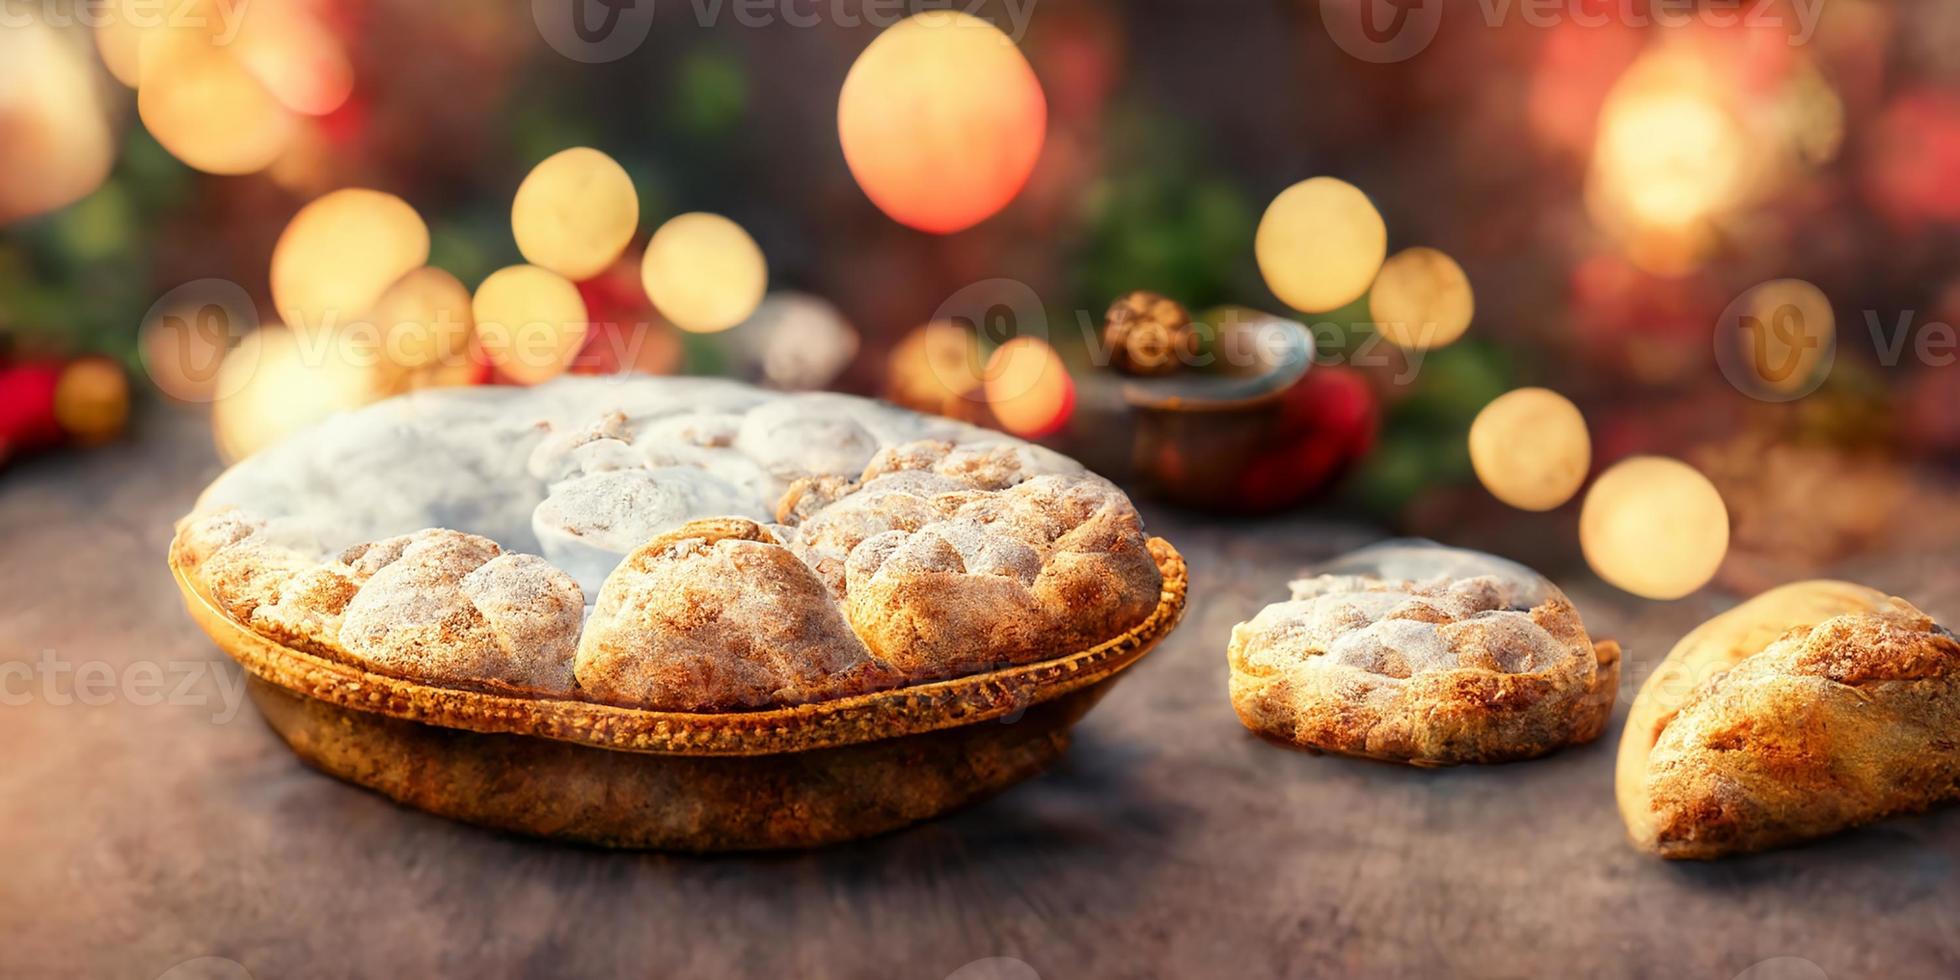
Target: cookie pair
1812, 708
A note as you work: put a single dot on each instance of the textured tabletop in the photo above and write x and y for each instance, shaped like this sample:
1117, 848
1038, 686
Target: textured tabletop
151, 824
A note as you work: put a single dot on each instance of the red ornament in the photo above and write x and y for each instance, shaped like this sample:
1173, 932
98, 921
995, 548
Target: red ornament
27, 416
1326, 422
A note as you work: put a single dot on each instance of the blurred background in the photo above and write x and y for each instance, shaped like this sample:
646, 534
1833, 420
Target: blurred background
1617, 181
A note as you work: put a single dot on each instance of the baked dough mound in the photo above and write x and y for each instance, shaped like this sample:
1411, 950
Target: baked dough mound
719, 615
917, 571
907, 548
1831, 726
1446, 670
995, 579
437, 605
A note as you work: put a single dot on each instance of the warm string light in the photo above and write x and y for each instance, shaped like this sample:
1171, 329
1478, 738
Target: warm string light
1320, 244
703, 272
530, 322
341, 252
575, 213
1530, 448
941, 120
1655, 527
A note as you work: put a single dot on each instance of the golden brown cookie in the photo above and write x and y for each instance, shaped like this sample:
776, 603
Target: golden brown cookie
1411, 652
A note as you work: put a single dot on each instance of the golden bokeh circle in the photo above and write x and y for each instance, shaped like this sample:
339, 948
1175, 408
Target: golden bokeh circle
1655, 527
1028, 387
423, 319
530, 322
1320, 244
1530, 448
1421, 300
91, 400
341, 252
703, 272
575, 213
204, 107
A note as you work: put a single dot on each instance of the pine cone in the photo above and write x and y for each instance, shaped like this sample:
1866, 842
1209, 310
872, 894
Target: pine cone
1146, 333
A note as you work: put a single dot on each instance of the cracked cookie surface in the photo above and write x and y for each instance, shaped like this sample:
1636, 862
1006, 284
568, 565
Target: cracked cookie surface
1416, 653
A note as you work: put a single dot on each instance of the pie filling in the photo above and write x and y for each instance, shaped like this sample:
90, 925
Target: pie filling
682, 544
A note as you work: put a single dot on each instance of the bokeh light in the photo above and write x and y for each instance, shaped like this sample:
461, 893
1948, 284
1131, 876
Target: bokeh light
1671, 155
56, 144
1421, 299
530, 322
91, 400
1530, 448
937, 368
340, 252
941, 119
797, 341
575, 213
703, 272
294, 56
1655, 527
275, 382
198, 100
126, 31
423, 320
1029, 388
1320, 244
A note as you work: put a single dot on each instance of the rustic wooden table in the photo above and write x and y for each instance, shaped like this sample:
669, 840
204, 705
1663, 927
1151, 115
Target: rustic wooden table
150, 824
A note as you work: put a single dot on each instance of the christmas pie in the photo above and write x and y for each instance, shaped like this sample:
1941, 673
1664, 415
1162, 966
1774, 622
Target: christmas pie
679, 566
1412, 652
1812, 708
